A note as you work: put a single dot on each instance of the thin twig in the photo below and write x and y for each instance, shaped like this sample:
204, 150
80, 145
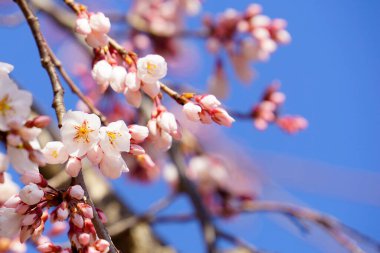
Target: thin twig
332, 226
75, 89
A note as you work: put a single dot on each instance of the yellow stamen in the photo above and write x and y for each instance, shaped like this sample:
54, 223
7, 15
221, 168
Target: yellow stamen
54, 154
4, 105
82, 132
112, 136
151, 68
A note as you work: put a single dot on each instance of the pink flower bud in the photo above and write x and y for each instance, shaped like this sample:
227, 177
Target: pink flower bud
102, 245
95, 155
86, 210
260, 124
73, 166
96, 40
48, 247
77, 220
12, 202
134, 98
31, 194
136, 150
62, 212
208, 101
277, 97
41, 121
221, 117
84, 239
29, 219
76, 192
192, 111
138, 133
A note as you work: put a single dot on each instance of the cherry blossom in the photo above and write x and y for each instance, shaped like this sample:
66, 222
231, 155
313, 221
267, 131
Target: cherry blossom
95, 27
31, 194
80, 132
151, 68
115, 138
10, 222
55, 152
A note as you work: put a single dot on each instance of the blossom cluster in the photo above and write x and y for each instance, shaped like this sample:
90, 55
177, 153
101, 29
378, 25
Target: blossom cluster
249, 36
161, 17
23, 150
95, 26
25, 214
83, 137
267, 111
206, 109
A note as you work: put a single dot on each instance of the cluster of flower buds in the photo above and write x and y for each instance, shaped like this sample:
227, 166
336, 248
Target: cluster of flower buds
83, 137
21, 134
82, 232
161, 17
163, 128
206, 108
24, 213
248, 36
95, 26
267, 111
150, 69
214, 182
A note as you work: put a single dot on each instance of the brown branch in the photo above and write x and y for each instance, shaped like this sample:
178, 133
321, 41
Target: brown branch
75, 89
332, 226
58, 102
173, 94
187, 187
46, 61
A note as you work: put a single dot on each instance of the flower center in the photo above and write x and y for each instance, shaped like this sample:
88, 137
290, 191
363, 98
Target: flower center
83, 132
112, 136
151, 68
54, 154
4, 105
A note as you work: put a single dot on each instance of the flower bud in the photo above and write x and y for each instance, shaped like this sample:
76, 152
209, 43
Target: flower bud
76, 192
31, 194
192, 111
73, 166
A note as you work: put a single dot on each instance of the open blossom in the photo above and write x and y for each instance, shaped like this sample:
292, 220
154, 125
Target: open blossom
115, 138
19, 158
151, 68
31, 194
14, 103
55, 152
5, 68
80, 132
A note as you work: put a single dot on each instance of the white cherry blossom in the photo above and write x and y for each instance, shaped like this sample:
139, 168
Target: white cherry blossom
151, 68
115, 138
55, 152
80, 132
192, 111
14, 103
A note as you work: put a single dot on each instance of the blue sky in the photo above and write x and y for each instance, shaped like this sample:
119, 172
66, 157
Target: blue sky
330, 75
